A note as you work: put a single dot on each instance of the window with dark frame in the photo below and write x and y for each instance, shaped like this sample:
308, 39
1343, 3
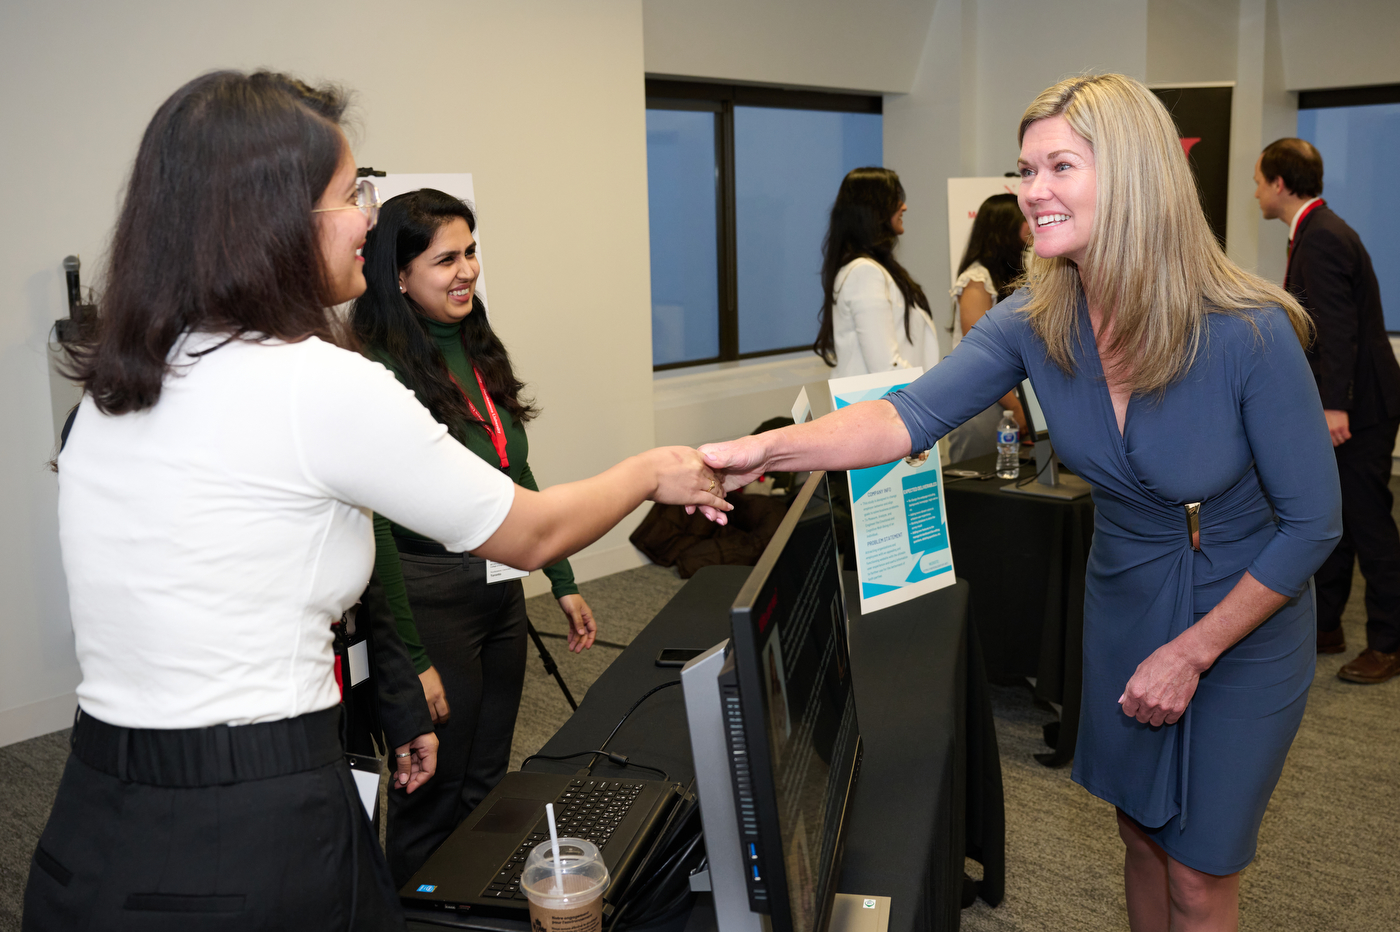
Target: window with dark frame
740, 183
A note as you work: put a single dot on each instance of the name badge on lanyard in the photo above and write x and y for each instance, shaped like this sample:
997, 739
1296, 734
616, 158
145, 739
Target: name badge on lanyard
495, 572
499, 572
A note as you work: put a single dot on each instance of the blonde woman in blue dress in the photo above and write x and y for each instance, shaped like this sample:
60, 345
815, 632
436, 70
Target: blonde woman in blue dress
1175, 383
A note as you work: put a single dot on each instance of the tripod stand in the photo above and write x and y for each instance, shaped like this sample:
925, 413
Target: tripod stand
550, 667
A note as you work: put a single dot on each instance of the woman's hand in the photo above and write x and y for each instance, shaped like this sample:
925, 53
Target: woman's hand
737, 462
1165, 682
865, 434
582, 628
682, 478
433, 692
415, 762
1162, 686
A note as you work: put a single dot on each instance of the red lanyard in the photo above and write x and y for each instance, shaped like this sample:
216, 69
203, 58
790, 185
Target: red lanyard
1298, 223
494, 430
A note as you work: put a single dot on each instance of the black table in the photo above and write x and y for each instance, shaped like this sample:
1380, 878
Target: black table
930, 780
1024, 558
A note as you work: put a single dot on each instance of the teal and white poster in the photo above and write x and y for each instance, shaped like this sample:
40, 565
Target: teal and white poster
901, 524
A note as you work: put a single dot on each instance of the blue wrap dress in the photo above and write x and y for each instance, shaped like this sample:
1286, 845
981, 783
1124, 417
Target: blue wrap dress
1242, 433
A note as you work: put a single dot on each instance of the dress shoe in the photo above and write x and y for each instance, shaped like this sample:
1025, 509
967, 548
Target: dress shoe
1331, 642
1371, 666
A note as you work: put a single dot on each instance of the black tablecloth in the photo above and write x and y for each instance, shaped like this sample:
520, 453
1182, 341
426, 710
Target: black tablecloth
1024, 558
926, 723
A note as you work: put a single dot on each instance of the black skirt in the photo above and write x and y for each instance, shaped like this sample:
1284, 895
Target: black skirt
246, 827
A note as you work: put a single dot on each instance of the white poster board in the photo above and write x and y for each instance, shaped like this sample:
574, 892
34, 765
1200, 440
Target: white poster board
965, 196
458, 184
897, 511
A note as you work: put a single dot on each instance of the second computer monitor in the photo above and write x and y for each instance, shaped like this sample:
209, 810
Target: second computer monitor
1035, 418
795, 701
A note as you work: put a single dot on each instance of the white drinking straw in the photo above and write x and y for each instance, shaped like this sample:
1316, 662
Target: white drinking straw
554, 847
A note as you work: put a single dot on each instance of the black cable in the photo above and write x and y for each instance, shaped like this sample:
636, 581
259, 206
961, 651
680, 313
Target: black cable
679, 837
1048, 461
675, 823
666, 868
620, 759
625, 715
666, 873
672, 906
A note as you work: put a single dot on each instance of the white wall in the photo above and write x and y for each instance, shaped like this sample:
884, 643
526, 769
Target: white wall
1339, 43
1190, 41
930, 136
834, 44
1023, 48
542, 101
1262, 112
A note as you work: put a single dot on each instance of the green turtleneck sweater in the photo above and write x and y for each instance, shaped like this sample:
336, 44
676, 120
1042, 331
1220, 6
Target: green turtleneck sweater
386, 555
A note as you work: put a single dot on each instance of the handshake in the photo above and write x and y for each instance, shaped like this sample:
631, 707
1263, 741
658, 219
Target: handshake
865, 434
701, 478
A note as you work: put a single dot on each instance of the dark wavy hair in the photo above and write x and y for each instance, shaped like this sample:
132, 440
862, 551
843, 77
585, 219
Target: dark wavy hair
860, 228
216, 231
995, 241
393, 329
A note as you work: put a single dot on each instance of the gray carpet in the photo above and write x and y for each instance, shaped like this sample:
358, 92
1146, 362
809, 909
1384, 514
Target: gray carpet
1323, 863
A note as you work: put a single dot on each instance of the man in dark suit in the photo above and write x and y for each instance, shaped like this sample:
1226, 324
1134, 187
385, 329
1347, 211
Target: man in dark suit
1330, 274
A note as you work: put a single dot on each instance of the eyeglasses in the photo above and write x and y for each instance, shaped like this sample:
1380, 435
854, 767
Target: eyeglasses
366, 202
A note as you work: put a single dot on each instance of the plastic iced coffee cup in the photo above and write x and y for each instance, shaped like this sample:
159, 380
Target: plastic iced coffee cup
570, 899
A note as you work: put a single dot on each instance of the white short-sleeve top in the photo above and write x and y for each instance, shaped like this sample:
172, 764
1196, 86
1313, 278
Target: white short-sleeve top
867, 323
975, 273
210, 541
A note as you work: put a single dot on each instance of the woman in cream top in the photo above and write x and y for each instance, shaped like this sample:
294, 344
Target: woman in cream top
875, 317
991, 268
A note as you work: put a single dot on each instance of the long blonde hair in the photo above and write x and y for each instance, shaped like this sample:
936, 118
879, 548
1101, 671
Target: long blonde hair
1153, 266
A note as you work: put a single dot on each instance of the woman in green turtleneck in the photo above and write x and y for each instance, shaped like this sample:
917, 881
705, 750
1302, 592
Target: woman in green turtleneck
421, 317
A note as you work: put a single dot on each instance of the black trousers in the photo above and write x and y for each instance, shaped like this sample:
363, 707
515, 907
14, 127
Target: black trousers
1368, 535
475, 635
253, 827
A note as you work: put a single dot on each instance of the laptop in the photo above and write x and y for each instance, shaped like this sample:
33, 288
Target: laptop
476, 871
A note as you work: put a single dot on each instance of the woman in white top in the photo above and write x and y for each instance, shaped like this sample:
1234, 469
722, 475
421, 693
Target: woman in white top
215, 499
874, 316
990, 269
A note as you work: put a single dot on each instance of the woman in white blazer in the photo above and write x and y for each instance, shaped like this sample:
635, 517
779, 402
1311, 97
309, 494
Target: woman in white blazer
875, 317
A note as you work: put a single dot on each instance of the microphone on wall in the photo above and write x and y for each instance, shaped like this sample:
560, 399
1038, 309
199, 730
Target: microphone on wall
71, 265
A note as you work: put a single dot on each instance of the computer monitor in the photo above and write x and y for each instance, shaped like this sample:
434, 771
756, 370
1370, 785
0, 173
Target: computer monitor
791, 735
1049, 481
1035, 418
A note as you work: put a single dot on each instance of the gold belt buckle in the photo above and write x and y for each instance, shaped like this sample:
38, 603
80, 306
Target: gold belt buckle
1193, 524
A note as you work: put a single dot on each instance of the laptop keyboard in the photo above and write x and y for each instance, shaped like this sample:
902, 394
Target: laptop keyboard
588, 809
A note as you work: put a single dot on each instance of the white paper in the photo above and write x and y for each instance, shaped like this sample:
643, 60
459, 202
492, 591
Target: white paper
801, 408
499, 572
367, 783
359, 662
898, 512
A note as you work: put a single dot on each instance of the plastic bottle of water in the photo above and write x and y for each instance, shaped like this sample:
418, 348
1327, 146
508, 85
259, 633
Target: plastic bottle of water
1008, 447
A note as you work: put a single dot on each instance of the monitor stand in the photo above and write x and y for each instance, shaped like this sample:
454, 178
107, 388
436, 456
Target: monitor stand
849, 913
1049, 481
